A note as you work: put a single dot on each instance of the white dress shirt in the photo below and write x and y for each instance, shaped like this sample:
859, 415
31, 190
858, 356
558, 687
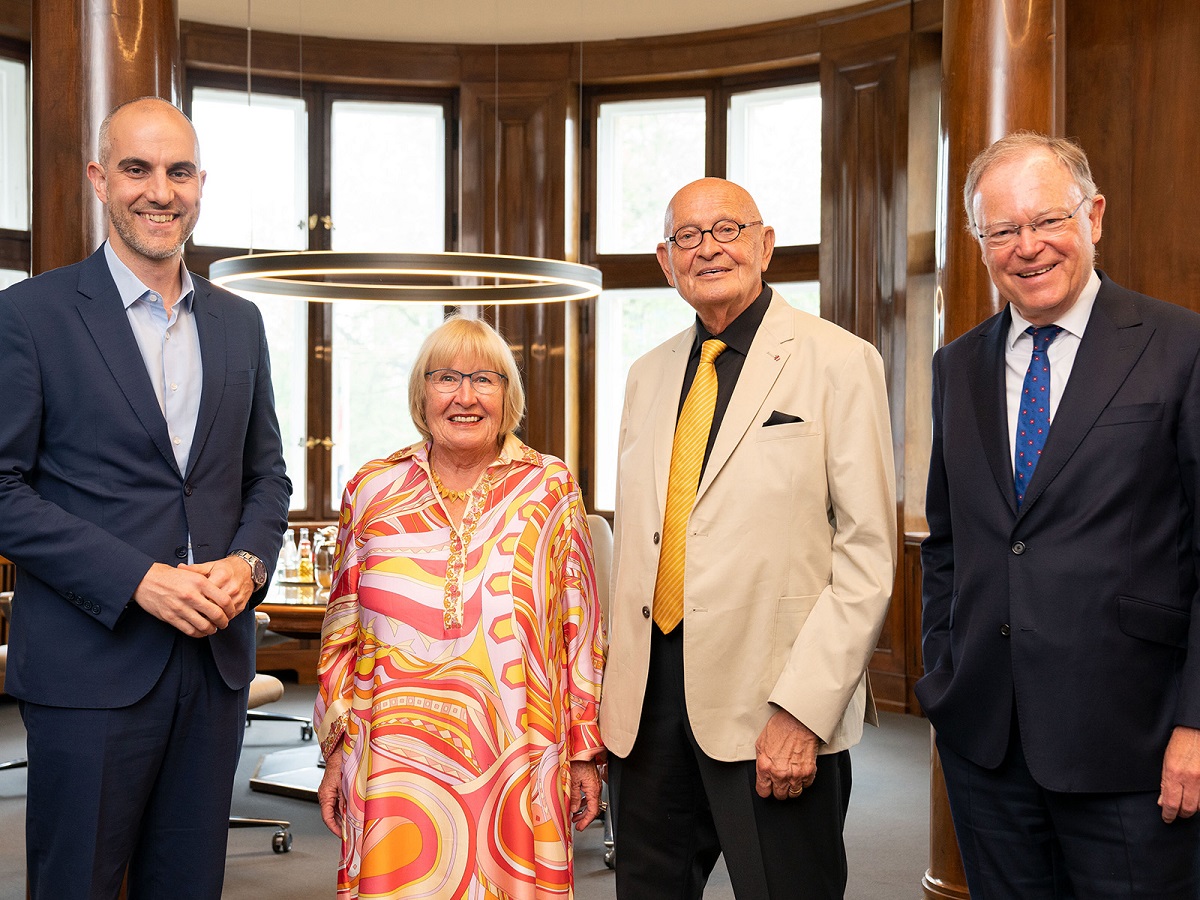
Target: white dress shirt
1018, 350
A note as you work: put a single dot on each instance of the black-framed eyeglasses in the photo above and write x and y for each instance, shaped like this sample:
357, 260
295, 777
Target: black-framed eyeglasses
689, 237
446, 381
1004, 234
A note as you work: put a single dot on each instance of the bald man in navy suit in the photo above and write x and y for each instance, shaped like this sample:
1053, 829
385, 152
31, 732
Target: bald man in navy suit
143, 499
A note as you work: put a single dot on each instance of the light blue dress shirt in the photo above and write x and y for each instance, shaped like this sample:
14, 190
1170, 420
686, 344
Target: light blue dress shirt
170, 347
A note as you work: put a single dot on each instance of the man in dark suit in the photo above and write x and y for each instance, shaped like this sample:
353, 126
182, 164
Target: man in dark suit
143, 499
1061, 622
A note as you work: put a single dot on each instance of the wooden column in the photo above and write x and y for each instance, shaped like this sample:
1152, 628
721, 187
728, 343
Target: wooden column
88, 56
1002, 70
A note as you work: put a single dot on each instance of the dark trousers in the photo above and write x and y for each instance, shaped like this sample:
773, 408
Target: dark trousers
681, 809
1020, 841
146, 786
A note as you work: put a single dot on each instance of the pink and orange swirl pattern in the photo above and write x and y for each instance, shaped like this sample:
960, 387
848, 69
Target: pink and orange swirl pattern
460, 675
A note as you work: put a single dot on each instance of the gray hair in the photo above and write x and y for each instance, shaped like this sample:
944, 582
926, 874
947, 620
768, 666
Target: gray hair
1020, 143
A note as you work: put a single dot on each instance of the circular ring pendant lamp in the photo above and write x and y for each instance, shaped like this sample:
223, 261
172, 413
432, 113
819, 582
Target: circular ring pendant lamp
449, 279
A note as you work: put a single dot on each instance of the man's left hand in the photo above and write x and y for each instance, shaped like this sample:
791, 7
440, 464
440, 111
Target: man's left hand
1179, 795
787, 757
231, 574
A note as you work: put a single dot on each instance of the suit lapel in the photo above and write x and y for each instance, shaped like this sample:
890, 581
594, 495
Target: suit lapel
104, 316
667, 413
766, 359
991, 403
210, 328
1113, 342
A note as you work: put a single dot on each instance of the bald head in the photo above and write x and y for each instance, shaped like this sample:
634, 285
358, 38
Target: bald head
719, 280
142, 105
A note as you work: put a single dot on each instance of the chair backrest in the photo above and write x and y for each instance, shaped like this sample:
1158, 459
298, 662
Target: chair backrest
602, 550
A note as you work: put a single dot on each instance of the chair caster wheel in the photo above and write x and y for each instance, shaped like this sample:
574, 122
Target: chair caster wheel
306, 732
281, 841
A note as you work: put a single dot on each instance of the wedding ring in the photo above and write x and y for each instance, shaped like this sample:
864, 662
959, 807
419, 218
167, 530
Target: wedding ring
797, 792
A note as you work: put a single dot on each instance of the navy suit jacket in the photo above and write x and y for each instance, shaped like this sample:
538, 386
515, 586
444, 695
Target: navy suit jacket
1083, 606
91, 495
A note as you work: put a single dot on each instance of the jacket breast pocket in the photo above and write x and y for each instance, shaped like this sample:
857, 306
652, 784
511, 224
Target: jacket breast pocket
788, 430
1153, 621
240, 376
1134, 412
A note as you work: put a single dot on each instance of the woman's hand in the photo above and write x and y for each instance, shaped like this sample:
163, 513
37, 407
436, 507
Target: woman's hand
585, 794
329, 794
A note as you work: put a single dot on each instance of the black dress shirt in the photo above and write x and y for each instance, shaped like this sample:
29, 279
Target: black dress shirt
737, 337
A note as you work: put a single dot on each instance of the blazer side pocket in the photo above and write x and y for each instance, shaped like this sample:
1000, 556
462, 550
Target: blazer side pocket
1153, 622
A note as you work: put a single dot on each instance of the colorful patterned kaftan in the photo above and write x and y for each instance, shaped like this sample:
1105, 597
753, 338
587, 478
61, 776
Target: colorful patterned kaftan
460, 674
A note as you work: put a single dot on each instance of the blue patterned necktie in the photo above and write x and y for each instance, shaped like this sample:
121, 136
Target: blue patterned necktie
1033, 421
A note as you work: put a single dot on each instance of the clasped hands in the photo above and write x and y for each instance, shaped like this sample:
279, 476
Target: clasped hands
786, 757
199, 598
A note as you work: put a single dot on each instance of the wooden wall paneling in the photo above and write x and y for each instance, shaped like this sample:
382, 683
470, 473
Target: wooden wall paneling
87, 57
1132, 78
223, 49
864, 238
16, 20
513, 201
1099, 110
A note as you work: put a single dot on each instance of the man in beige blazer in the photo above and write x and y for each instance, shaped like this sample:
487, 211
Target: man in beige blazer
730, 732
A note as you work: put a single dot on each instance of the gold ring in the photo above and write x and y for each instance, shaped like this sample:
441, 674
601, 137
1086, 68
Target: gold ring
797, 792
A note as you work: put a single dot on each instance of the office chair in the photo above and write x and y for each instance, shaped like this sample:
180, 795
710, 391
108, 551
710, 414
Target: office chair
266, 689
602, 552
6, 611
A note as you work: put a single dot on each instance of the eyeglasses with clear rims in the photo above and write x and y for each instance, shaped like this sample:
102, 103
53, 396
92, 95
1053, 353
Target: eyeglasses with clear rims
1004, 234
446, 381
689, 237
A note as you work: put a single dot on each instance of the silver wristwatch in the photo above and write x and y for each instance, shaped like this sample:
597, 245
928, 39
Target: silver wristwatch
258, 571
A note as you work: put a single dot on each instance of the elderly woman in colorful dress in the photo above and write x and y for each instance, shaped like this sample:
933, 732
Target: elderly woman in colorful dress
462, 652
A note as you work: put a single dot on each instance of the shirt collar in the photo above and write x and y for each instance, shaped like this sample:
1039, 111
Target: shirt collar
131, 289
511, 451
741, 331
1073, 321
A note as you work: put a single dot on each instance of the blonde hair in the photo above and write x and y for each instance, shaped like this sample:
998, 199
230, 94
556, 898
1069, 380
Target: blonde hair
460, 337
1020, 143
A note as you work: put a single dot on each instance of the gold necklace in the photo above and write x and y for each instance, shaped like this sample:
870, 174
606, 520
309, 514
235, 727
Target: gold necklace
445, 492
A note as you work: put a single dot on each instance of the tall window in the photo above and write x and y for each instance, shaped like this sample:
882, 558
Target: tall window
14, 169
765, 137
329, 170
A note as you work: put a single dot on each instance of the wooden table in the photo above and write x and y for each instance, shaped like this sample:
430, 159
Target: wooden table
296, 611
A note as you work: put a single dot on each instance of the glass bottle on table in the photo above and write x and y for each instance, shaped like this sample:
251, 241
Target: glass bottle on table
305, 570
289, 556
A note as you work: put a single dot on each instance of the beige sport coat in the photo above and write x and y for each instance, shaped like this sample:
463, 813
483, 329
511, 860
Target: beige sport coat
791, 544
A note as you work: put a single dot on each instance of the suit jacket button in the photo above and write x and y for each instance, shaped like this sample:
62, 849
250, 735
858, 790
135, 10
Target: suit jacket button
1018, 548
187, 490
181, 552
656, 537
645, 612
1004, 630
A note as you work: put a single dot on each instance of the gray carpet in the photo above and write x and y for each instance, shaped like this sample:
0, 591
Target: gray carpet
887, 832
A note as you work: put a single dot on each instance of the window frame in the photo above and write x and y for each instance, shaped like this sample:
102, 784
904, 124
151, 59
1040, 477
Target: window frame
16, 249
799, 262
319, 97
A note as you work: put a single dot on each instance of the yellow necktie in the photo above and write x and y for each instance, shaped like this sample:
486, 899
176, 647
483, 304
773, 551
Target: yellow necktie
687, 456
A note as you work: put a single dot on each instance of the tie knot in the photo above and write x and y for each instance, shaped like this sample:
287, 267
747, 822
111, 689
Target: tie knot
711, 350
1043, 337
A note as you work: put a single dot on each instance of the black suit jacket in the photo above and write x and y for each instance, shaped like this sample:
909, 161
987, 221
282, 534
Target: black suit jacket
1082, 606
91, 495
